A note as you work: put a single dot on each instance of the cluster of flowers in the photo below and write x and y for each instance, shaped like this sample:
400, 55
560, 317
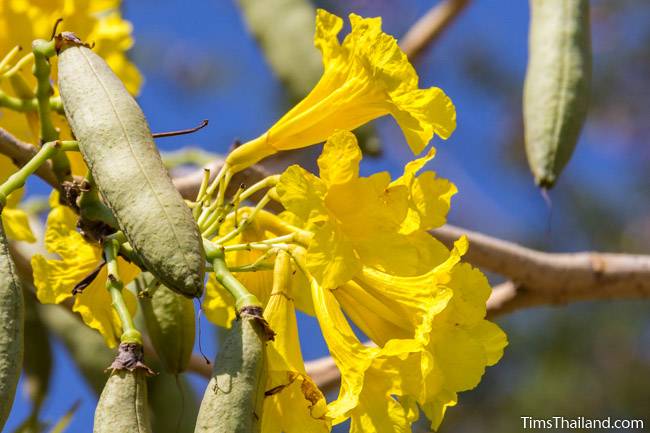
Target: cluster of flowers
360, 245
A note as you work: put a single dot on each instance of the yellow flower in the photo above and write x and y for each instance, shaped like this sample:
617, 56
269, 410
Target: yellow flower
293, 404
365, 77
55, 278
441, 347
372, 260
15, 221
22, 21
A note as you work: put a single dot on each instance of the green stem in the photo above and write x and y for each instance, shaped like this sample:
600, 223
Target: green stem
256, 246
211, 225
92, 208
9, 57
25, 105
127, 252
252, 267
19, 65
264, 183
18, 104
114, 286
18, 179
247, 221
223, 177
201, 194
243, 298
42, 68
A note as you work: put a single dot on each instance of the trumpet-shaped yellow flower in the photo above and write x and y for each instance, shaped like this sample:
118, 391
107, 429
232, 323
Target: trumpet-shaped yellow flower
14, 220
22, 21
293, 404
365, 77
445, 351
55, 278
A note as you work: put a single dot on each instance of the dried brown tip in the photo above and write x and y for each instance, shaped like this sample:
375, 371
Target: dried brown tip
69, 39
255, 313
130, 356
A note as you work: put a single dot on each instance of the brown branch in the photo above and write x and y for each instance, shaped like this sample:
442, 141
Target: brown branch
21, 152
430, 26
539, 278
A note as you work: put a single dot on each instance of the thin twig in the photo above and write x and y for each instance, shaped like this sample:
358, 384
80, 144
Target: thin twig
430, 26
201, 125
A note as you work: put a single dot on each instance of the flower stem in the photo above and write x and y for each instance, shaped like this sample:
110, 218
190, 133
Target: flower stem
42, 51
264, 183
9, 58
18, 104
201, 194
247, 221
19, 65
92, 208
18, 179
243, 298
26, 105
115, 286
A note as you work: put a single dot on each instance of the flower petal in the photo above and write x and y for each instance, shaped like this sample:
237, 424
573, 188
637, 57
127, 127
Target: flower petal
218, 304
331, 257
295, 403
328, 26
95, 305
301, 192
16, 224
421, 113
54, 279
339, 162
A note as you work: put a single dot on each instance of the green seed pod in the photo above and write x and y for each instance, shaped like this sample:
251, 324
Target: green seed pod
169, 318
174, 404
116, 143
556, 90
233, 400
122, 407
11, 329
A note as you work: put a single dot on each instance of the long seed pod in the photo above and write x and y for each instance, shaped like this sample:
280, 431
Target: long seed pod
11, 329
233, 400
116, 143
169, 318
122, 406
556, 90
174, 404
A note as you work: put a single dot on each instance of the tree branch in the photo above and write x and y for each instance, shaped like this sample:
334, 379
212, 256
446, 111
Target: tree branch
430, 26
539, 278
21, 152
